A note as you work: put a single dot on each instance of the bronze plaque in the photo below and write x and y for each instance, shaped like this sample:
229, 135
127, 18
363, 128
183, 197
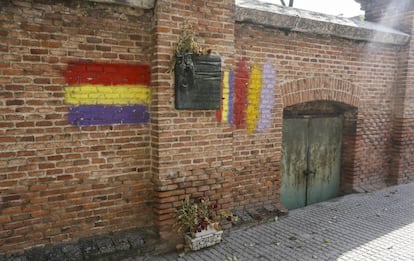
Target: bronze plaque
197, 82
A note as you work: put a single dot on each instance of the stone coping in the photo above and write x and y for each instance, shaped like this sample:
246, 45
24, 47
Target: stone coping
146, 4
297, 20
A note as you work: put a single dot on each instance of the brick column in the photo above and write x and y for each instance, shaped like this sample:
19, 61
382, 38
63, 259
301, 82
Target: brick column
191, 151
400, 15
402, 168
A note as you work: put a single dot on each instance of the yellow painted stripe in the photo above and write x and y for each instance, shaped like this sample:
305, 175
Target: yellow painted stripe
107, 95
226, 93
253, 98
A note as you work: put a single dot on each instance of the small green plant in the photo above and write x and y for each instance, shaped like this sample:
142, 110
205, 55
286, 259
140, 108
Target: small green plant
187, 43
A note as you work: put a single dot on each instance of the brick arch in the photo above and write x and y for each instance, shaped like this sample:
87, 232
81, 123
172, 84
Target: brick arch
320, 88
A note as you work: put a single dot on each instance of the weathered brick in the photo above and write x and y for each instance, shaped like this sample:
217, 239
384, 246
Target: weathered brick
100, 174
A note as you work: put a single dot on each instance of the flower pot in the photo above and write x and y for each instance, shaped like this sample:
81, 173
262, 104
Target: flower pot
205, 238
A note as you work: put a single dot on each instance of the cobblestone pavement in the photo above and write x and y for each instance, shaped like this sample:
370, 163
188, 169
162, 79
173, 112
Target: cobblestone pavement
368, 226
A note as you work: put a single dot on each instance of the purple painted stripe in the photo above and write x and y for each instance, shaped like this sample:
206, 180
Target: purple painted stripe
107, 114
267, 96
231, 98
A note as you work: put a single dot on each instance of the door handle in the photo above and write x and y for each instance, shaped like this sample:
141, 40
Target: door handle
308, 172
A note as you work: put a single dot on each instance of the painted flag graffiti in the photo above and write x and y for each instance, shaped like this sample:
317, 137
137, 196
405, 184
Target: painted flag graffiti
104, 94
248, 97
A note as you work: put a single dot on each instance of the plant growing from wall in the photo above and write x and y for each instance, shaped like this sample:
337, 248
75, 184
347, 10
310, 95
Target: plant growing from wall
187, 43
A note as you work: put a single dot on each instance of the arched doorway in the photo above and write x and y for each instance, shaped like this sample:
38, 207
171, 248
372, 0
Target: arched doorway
312, 160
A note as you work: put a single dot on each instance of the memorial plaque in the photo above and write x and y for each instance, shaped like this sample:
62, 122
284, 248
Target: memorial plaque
197, 82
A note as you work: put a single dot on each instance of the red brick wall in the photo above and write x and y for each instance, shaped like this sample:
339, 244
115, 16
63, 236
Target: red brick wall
192, 152
389, 12
399, 14
60, 182
403, 124
364, 76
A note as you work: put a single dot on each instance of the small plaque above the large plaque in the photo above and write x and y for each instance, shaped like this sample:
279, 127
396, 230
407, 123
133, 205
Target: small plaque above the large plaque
197, 82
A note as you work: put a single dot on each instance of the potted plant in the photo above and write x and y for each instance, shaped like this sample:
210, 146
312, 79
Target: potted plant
200, 222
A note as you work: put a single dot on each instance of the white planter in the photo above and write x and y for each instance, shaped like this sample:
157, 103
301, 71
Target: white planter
204, 238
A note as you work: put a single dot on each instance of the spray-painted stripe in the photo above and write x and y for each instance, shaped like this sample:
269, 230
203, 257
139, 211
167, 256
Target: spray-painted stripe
253, 99
101, 114
231, 98
107, 74
240, 99
107, 95
267, 96
225, 107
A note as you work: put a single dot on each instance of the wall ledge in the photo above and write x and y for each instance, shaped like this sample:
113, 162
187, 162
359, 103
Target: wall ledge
146, 4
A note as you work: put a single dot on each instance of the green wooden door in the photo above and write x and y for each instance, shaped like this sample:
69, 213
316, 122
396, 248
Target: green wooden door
294, 150
311, 153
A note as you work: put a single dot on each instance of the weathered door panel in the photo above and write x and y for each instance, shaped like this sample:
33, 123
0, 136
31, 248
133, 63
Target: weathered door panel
312, 146
293, 189
325, 140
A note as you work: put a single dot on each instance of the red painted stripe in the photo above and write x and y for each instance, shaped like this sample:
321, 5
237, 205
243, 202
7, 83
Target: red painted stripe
107, 74
219, 115
240, 98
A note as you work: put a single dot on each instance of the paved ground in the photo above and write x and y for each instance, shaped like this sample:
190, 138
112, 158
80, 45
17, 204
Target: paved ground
372, 226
